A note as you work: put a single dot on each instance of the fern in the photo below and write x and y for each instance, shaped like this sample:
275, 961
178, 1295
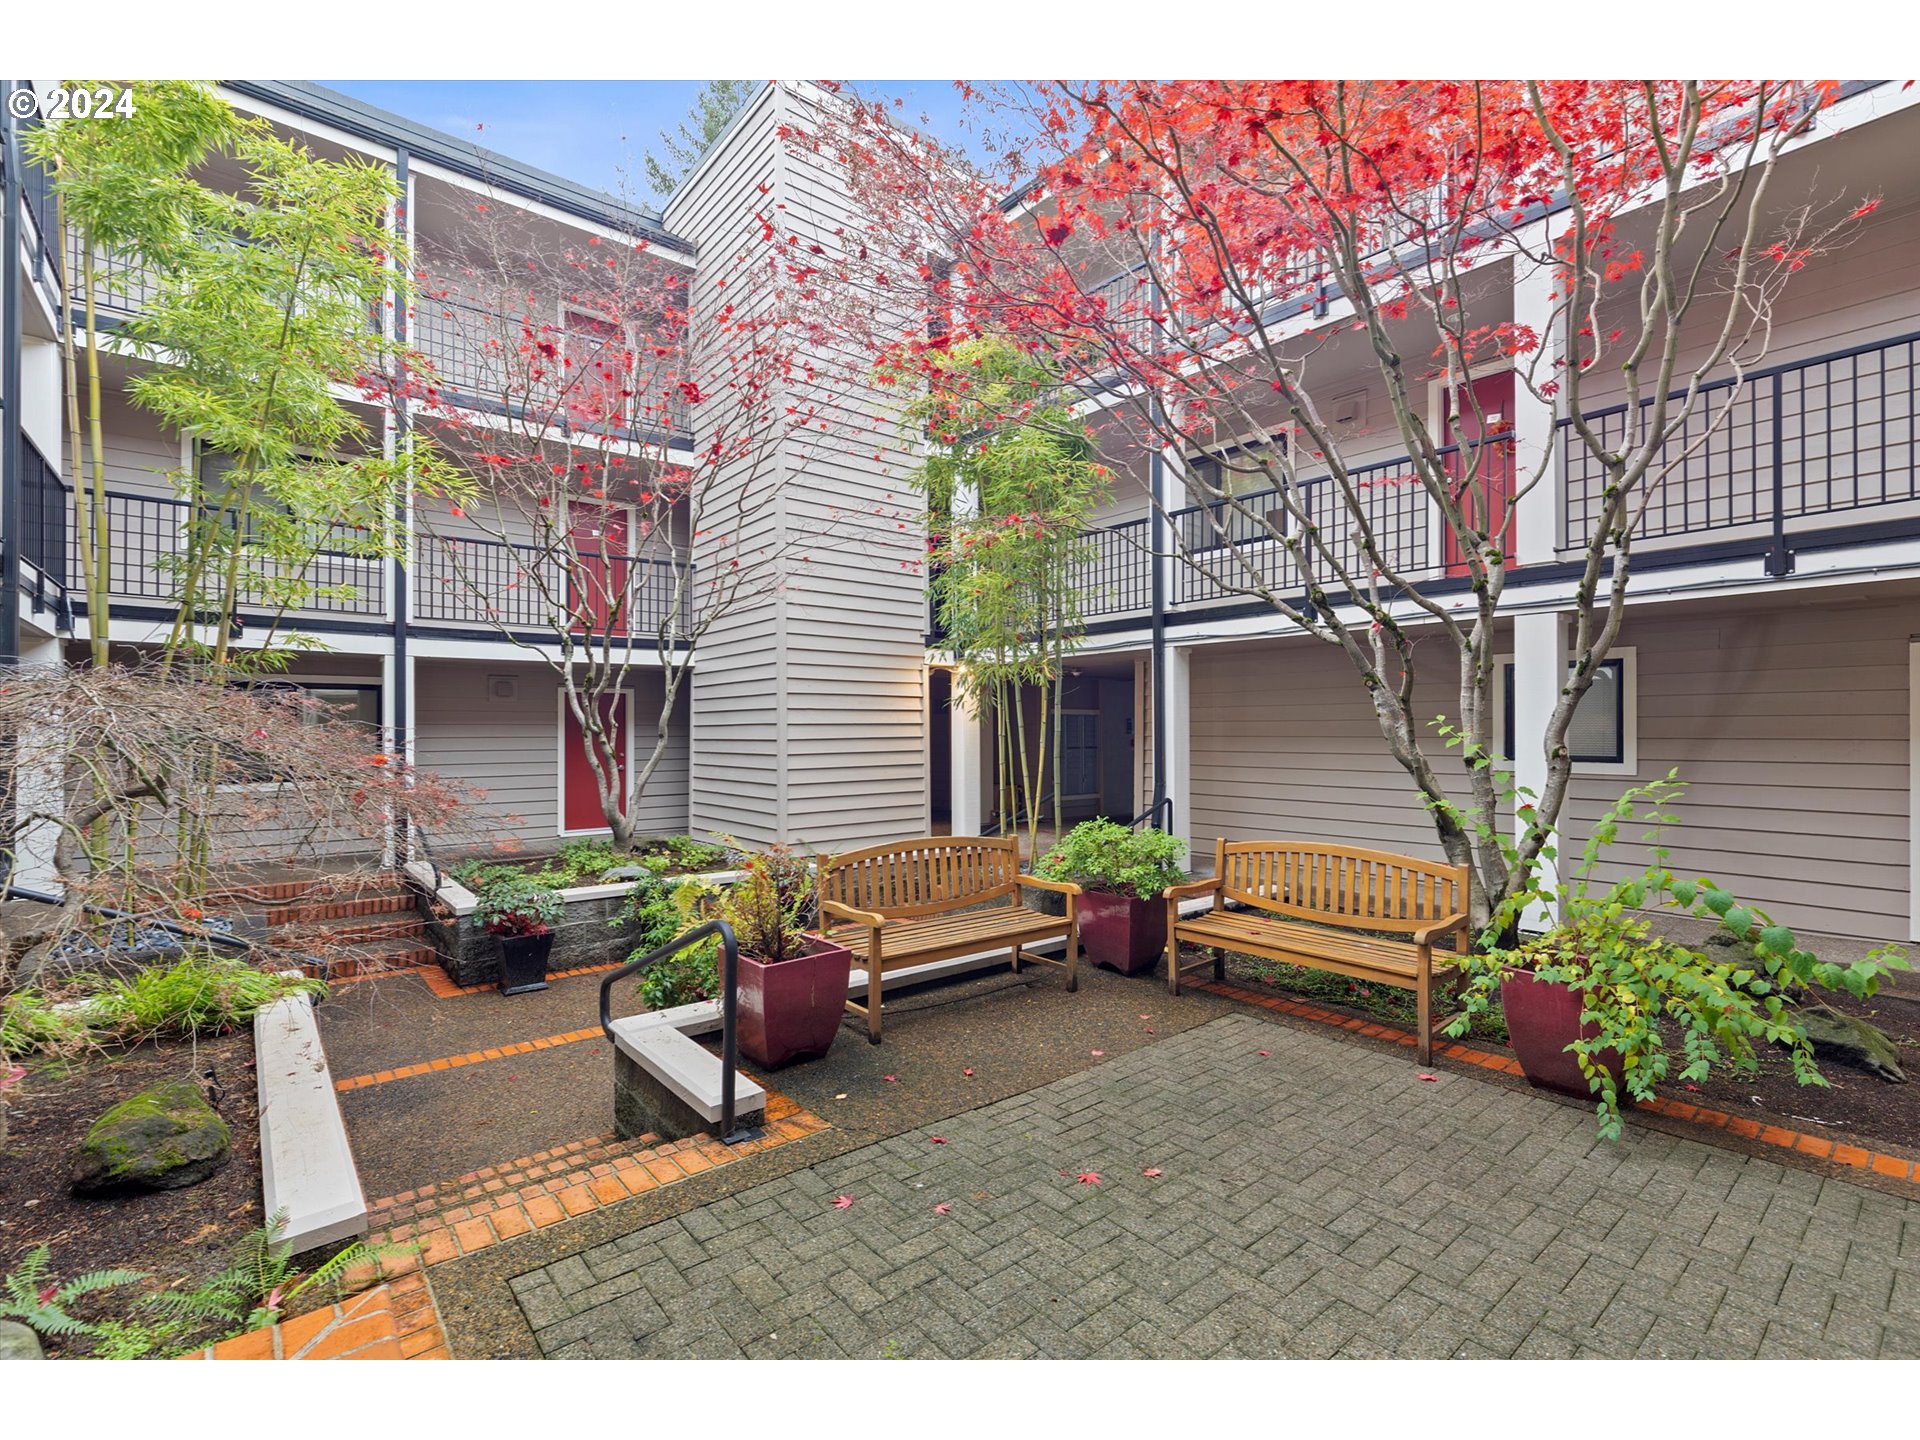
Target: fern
260, 1282
41, 1303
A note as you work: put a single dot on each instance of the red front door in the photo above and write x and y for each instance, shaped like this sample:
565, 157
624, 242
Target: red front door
1482, 427
579, 792
601, 572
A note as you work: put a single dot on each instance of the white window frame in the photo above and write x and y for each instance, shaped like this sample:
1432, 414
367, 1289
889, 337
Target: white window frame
560, 761
1629, 763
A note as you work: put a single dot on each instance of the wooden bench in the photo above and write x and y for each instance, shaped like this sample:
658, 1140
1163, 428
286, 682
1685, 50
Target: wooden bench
1339, 889
917, 901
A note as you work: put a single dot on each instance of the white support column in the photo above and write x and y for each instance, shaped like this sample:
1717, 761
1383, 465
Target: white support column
1178, 711
1539, 675
1536, 538
966, 763
37, 777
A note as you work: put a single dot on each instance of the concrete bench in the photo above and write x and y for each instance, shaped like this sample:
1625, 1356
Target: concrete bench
306, 1164
666, 1084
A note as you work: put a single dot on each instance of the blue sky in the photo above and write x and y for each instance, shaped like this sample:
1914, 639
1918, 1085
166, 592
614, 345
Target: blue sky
594, 130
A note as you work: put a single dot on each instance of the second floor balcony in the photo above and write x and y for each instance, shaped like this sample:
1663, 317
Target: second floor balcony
1822, 447
459, 584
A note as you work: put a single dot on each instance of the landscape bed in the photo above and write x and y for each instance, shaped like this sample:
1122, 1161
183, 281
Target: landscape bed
1854, 1107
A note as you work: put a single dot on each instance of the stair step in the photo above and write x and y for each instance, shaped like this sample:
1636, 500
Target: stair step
373, 957
399, 928
341, 908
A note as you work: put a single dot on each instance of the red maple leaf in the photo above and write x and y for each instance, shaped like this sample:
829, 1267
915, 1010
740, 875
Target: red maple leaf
943, 1208
843, 1202
1153, 1172
967, 1071
937, 1139
1265, 1053
1089, 1177
1096, 1053
1427, 1075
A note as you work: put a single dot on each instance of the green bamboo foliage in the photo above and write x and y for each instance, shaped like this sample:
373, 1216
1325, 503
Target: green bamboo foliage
126, 189
1011, 483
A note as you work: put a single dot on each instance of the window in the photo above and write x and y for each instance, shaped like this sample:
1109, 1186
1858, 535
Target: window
1238, 473
1603, 734
358, 705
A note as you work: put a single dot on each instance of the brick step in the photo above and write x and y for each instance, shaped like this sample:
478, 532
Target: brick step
350, 932
570, 1163
374, 957
291, 892
341, 908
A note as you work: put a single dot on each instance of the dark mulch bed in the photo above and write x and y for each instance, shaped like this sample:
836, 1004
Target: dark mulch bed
170, 1234
1854, 1107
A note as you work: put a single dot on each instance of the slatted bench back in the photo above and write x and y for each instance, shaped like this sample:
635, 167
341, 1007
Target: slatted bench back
923, 877
1340, 884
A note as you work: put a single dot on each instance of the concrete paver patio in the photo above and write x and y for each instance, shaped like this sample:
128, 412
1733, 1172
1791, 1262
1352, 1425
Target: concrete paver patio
1318, 1200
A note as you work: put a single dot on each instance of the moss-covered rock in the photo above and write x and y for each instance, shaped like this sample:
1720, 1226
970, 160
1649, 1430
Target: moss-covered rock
1849, 1040
164, 1138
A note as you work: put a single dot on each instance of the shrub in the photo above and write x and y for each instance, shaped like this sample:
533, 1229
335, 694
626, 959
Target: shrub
1640, 991
515, 904
1106, 856
197, 995
664, 911
772, 905
693, 855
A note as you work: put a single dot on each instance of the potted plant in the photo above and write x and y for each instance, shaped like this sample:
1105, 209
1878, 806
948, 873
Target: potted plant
522, 912
793, 984
1597, 1005
1121, 873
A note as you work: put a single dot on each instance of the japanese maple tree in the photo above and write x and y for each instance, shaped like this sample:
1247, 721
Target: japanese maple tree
1218, 259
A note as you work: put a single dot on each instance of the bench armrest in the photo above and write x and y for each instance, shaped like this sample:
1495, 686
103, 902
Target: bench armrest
847, 912
1452, 925
1192, 888
1063, 887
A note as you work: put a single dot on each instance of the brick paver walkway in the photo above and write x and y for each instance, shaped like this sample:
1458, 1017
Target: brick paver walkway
1319, 1200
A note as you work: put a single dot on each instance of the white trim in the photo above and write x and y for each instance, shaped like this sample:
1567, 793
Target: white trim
1629, 765
560, 756
1913, 788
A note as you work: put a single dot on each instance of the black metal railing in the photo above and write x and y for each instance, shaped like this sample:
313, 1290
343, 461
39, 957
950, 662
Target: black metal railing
1223, 545
43, 515
488, 582
729, 1134
123, 285
147, 537
1114, 572
480, 358
38, 208
1127, 299
1785, 445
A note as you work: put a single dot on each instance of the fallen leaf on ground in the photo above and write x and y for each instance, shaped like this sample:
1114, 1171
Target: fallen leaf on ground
1146, 1017
1265, 1053
938, 1139
841, 1096
967, 1071
1089, 1177
1426, 1075
1096, 1053
1153, 1172
943, 1208
890, 1078
843, 1202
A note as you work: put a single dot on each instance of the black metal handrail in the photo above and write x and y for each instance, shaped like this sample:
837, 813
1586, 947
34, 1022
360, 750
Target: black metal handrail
729, 1007
1150, 815
1790, 441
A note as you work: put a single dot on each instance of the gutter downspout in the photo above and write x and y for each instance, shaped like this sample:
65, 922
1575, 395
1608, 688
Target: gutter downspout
10, 320
402, 740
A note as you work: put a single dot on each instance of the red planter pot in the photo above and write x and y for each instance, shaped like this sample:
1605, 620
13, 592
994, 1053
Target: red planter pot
1543, 1018
1122, 933
791, 1010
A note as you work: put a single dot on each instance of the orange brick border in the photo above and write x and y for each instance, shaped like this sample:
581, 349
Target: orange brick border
1894, 1167
485, 1207
394, 1321
472, 1057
